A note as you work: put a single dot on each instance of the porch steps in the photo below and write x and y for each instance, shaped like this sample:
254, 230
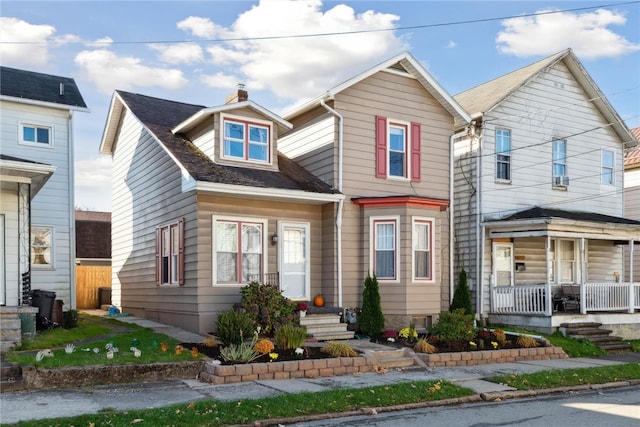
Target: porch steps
11, 330
594, 332
326, 327
397, 358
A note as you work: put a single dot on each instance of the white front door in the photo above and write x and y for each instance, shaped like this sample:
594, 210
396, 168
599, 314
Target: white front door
503, 264
294, 260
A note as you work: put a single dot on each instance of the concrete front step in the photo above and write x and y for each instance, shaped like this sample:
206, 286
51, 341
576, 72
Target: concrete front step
331, 327
396, 362
600, 339
617, 347
314, 319
581, 325
585, 332
333, 335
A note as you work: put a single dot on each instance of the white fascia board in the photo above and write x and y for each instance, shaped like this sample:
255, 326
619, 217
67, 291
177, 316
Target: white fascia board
200, 115
36, 168
65, 107
110, 128
266, 193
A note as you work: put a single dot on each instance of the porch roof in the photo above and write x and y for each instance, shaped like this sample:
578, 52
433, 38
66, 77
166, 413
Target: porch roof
18, 170
539, 221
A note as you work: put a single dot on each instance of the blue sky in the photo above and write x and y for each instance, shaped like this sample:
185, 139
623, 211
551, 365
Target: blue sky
197, 52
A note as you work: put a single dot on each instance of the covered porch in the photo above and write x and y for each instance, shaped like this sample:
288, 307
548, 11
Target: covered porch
553, 267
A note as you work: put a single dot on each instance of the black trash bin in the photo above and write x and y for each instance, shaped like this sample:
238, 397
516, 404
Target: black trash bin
104, 296
44, 301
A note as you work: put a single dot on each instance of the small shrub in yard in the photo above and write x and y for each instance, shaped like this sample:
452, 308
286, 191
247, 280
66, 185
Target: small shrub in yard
501, 337
371, 319
240, 353
526, 341
423, 346
233, 326
266, 306
290, 336
462, 295
454, 325
264, 346
339, 349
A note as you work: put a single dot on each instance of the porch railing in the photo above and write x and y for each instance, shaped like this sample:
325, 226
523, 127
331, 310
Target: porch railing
524, 299
538, 299
269, 278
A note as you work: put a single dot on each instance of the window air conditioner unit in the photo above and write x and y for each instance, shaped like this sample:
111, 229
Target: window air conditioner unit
560, 181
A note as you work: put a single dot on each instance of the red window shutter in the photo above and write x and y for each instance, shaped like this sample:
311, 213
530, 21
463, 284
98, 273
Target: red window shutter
415, 151
158, 255
381, 147
181, 252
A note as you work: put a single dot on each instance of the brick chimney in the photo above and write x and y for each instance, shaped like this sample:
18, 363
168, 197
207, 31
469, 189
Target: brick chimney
238, 96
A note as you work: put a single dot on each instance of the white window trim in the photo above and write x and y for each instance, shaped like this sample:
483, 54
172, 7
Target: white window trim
170, 283
613, 166
407, 149
372, 245
431, 221
214, 263
241, 119
555, 262
21, 140
503, 180
52, 249
554, 162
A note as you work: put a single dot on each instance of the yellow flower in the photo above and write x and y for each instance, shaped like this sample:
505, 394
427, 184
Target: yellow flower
472, 344
273, 356
494, 344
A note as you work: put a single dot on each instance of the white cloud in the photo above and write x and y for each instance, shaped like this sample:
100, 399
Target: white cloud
179, 53
110, 71
201, 27
298, 67
100, 43
93, 183
221, 81
31, 47
451, 44
587, 34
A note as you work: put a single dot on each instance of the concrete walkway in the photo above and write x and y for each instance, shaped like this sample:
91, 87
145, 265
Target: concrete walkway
34, 405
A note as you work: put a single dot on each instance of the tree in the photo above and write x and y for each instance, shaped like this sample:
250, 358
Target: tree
371, 320
462, 295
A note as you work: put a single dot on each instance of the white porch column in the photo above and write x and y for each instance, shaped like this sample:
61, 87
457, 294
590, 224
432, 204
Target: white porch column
630, 291
583, 274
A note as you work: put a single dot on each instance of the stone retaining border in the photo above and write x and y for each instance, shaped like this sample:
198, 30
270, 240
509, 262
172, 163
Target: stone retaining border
228, 374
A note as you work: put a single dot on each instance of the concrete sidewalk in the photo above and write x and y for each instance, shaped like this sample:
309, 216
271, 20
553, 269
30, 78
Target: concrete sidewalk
34, 405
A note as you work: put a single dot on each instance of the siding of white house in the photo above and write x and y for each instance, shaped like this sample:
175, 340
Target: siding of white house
53, 205
9, 210
632, 210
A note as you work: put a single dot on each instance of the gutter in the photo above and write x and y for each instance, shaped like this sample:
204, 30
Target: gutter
341, 201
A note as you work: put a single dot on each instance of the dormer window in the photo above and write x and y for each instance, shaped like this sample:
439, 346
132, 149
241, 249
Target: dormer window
245, 140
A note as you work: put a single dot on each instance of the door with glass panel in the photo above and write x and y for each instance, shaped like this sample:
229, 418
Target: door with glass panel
294, 262
503, 274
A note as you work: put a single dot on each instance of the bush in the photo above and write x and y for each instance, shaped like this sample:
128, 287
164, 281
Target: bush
339, 349
462, 295
266, 306
454, 325
371, 319
525, 341
264, 346
290, 336
234, 326
70, 319
423, 346
242, 352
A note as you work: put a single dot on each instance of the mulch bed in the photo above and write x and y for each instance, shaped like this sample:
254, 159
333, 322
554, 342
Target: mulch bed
283, 355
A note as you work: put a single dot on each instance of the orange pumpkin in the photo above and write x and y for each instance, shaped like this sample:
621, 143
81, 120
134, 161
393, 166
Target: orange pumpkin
318, 301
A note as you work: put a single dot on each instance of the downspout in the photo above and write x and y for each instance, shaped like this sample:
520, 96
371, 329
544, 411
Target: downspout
72, 221
341, 201
452, 139
479, 229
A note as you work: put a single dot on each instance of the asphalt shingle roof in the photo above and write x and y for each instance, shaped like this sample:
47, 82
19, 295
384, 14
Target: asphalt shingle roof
160, 116
39, 87
538, 212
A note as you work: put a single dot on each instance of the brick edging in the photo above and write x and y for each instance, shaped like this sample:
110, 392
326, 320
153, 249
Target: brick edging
228, 374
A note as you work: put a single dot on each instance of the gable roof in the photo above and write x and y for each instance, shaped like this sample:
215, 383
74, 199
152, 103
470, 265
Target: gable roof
160, 116
632, 155
406, 64
483, 98
43, 89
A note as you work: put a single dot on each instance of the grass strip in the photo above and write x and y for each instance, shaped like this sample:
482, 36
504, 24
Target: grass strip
217, 413
570, 377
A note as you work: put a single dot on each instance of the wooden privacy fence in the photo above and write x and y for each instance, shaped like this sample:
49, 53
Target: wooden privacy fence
89, 278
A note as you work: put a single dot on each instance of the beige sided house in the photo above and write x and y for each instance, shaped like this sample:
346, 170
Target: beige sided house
540, 223
384, 140
632, 193
204, 203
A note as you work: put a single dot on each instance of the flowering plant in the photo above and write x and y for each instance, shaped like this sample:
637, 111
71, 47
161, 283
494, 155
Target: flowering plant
408, 333
273, 356
473, 345
494, 344
302, 306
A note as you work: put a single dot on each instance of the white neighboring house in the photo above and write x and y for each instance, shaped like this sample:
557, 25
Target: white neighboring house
632, 195
37, 186
539, 221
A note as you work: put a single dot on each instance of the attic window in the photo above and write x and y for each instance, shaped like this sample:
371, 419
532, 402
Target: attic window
245, 140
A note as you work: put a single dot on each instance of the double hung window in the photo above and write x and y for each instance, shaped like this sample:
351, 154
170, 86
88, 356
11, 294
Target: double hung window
239, 250
559, 157
503, 154
170, 254
397, 149
422, 249
42, 247
608, 167
385, 248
